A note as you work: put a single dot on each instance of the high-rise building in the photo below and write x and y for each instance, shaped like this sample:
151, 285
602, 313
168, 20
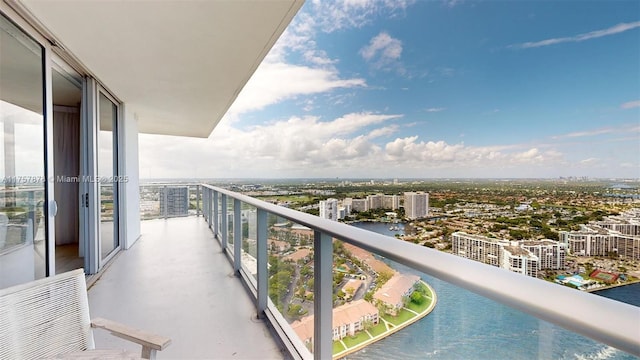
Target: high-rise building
519, 260
416, 205
614, 235
551, 254
525, 257
375, 201
174, 201
329, 209
359, 205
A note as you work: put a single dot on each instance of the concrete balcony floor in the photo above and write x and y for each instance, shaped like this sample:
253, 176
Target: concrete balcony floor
175, 281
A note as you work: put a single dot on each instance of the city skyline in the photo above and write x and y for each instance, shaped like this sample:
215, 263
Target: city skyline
439, 89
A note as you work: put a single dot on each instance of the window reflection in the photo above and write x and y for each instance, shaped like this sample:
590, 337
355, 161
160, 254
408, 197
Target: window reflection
22, 222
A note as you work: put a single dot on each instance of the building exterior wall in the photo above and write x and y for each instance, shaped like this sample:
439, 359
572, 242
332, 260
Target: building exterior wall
132, 186
551, 254
329, 209
478, 248
359, 205
174, 201
602, 243
416, 205
514, 256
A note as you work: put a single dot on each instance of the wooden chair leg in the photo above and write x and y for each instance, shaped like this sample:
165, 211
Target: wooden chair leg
148, 353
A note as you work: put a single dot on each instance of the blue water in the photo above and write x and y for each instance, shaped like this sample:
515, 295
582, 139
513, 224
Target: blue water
464, 325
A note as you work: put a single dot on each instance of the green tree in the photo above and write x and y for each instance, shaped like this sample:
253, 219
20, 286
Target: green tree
417, 298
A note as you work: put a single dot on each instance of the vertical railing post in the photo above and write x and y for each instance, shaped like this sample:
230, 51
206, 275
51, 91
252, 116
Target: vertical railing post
205, 206
237, 236
166, 198
225, 223
210, 208
198, 189
32, 212
261, 250
323, 296
216, 214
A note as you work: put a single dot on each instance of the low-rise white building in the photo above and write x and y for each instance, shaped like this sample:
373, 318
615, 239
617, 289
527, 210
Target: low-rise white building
395, 291
348, 319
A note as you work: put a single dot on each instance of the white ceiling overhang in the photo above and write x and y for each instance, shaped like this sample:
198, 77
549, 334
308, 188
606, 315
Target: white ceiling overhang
177, 65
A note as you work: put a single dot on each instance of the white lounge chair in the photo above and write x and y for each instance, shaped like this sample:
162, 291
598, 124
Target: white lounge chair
49, 318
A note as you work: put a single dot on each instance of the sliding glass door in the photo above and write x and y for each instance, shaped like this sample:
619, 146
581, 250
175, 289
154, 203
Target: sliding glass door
108, 174
23, 220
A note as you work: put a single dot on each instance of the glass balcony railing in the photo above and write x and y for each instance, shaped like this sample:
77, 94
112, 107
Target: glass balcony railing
161, 200
331, 289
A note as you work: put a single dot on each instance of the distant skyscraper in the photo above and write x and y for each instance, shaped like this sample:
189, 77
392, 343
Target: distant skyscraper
174, 201
416, 205
329, 209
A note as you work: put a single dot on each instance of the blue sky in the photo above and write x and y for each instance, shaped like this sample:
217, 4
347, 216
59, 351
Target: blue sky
434, 89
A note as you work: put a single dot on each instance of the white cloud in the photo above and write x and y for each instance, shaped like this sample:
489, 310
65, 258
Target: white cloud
589, 162
384, 45
275, 82
451, 3
616, 29
340, 14
352, 145
630, 104
383, 52
588, 133
436, 109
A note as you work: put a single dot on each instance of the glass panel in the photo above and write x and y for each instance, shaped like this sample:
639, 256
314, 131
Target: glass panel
22, 222
150, 201
67, 97
249, 216
448, 322
230, 223
167, 201
291, 275
107, 174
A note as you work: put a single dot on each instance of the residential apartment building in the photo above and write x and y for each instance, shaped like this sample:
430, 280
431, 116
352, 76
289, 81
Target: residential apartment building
329, 209
550, 254
614, 235
347, 319
525, 257
359, 205
174, 201
395, 292
377, 201
627, 223
416, 205
391, 202
593, 240
382, 201
519, 260
478, 248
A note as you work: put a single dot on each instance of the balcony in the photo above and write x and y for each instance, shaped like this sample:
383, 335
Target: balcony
211, 291
176, 281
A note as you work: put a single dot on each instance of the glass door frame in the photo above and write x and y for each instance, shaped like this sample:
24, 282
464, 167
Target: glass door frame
90, 198
116, 167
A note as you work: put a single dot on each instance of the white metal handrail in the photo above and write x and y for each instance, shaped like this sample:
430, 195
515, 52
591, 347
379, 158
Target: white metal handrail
605, 320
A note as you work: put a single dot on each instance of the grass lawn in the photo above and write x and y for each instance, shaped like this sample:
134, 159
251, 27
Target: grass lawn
378, 329
419, 308
337, 347
428, 292
353, 341
403, 316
